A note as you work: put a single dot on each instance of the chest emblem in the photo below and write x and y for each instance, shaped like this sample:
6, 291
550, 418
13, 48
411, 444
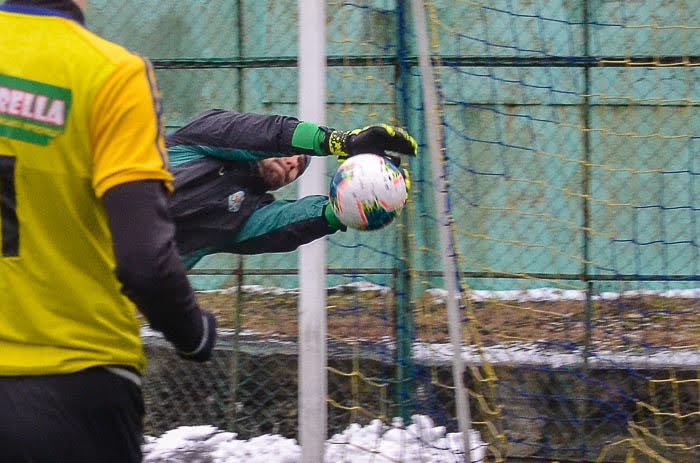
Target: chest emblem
235, 201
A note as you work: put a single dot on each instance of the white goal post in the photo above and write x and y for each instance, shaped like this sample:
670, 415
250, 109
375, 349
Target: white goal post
313, 382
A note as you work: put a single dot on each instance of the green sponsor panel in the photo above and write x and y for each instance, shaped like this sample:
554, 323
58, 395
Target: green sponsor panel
643, 86
52, 92
188, 92
500, 28
169, 28
366, 28
270, 28
511, 85
643, 182
32, 111
515, 186
346, 88
644, 27
514, 148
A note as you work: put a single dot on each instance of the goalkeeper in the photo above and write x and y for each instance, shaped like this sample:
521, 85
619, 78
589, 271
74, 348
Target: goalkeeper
225, 164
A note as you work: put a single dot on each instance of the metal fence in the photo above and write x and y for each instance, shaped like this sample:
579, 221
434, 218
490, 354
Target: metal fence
570, 133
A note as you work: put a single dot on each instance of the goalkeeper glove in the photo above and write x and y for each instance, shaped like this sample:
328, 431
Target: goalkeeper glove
333, 222
406, 180
204, 350
378, 139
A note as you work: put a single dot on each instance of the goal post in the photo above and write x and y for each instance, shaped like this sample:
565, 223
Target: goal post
312, 260
447, 248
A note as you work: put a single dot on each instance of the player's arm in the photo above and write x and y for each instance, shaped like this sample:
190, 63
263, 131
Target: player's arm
151, 270
248, 137
233, 134
130, 176
283, 226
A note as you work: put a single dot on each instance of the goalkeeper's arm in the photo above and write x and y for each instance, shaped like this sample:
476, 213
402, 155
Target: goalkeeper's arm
223, 132
283, 226
151, 270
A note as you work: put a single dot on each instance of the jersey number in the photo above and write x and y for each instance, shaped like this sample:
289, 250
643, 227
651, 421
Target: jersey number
8, 208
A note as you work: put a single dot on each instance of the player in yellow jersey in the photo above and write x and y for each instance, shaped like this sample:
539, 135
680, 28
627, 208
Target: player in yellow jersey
85, 240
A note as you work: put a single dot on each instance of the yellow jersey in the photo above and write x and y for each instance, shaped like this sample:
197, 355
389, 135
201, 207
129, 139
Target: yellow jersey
78, 115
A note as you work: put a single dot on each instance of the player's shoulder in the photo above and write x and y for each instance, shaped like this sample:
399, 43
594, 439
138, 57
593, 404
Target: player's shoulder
107, 50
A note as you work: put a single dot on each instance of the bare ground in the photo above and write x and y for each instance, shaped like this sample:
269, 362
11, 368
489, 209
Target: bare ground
371, 315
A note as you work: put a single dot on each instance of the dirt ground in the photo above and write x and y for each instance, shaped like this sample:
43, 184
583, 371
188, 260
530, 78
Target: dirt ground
370, 315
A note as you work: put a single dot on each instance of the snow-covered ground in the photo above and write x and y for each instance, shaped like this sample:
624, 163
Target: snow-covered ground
517, 295
419, 442
533, 354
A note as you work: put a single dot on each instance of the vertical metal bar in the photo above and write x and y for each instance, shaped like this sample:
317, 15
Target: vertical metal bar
239, 41
238, 307
404, 312
235, 367
586, 226
447, 245
313, 378
586, 204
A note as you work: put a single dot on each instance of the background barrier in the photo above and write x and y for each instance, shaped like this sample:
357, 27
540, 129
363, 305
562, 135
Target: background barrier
571, 134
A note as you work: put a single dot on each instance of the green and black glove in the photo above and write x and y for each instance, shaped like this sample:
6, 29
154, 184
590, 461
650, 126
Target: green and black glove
406, 180
380, 139
333, 222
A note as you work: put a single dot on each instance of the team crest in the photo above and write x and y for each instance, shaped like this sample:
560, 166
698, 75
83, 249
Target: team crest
235, 201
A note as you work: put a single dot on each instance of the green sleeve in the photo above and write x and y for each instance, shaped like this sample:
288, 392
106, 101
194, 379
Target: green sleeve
181, 154
333, 222
308, 136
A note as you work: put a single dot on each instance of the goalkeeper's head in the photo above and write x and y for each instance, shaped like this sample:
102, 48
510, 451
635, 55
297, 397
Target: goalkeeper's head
278, 172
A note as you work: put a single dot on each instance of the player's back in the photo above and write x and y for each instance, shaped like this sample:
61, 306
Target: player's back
61, 308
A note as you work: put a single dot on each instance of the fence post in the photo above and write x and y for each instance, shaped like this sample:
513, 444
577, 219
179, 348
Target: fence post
235, 358
442, 206
404, 309
588, 312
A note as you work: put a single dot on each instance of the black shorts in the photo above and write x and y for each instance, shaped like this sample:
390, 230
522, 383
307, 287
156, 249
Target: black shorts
92, 416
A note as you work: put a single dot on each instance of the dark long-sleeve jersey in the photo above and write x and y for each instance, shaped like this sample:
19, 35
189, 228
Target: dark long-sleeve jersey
220, 202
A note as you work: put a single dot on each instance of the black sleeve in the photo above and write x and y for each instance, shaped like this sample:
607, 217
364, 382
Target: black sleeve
284, 239
229, 129
148, 263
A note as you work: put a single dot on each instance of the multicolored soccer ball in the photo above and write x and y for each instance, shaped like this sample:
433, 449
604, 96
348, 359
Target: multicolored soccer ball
367, 192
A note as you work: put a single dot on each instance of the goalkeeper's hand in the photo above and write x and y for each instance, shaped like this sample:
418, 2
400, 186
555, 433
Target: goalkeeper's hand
380, 139
204, 350
406, 180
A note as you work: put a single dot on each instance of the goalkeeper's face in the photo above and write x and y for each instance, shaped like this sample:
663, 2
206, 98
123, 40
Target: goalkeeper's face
278, 172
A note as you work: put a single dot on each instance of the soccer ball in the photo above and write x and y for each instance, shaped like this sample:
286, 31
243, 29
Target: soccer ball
367, 192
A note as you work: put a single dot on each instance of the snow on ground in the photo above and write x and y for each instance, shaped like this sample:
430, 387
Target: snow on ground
556, 294
517, 295
421, 441
533, 354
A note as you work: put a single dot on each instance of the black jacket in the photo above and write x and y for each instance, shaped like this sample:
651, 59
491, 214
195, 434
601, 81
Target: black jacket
220, 202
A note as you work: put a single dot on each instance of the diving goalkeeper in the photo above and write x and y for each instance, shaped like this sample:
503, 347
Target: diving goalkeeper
225, 164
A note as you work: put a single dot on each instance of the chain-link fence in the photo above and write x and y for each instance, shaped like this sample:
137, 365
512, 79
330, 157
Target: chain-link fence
570, 148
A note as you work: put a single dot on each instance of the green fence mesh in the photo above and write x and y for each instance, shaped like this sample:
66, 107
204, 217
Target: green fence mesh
571, 133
